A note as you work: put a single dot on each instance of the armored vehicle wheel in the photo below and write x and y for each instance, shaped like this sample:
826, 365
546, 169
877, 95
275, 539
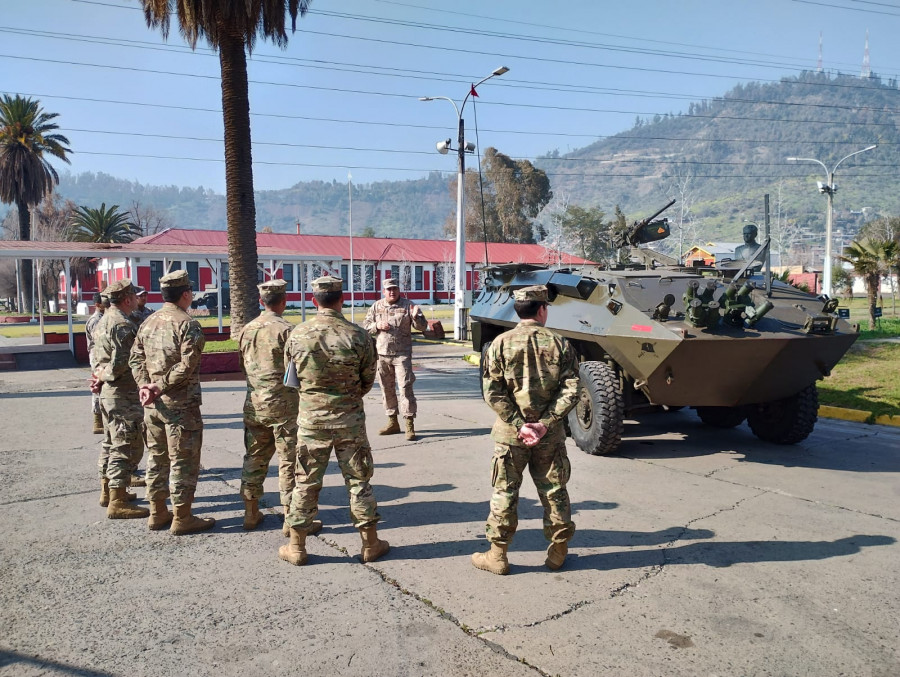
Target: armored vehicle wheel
596, 422
786, 421
722, 417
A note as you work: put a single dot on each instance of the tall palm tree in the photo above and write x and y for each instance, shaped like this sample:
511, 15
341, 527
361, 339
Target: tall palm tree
872, 259
231, 27
26, 175
102, 225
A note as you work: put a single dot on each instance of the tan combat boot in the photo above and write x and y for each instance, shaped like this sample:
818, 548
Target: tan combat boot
252, 516
186, 523
392, 427
98, 424
410, 429
295, 551
119, 509
372, 546
494, 560
137, 481
160, 517
556, 555
104, 492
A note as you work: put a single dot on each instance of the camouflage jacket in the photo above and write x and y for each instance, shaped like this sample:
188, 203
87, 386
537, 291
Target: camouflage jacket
138, 316
113, 338
530, 375
167, 353
90, 331
335, 364
262, 342
402, 317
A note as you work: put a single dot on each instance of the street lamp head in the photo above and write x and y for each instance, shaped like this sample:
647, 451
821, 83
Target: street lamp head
470, 147
425, 98
500, 71
443, 147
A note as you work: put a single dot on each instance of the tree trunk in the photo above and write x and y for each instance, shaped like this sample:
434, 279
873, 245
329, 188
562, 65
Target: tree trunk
240, 205
27, 264
872, 289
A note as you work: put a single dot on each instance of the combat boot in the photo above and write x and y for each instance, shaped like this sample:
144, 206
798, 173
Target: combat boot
160, 517
410, 429
98, 424
313, 529
118, 506
252, 516
295, 551
556, 556
372, 546
104, 492
392, 427
494, 560
137, 481
186, 523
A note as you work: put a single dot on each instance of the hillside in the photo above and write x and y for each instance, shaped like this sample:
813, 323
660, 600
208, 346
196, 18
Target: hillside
718, 159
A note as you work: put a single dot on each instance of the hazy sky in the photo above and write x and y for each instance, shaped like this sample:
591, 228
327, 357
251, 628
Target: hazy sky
343, 96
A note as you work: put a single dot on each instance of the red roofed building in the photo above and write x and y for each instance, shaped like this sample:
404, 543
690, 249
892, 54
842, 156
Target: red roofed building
424, 268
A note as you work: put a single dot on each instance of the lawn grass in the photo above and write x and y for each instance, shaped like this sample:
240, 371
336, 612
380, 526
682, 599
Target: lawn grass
866, 378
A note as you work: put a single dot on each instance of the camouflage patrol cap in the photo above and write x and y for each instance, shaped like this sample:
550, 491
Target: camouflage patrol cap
390, 282
118, 290
328, 283
272, 287
179, 278
536, 292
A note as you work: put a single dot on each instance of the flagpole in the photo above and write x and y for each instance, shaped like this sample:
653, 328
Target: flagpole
352, 297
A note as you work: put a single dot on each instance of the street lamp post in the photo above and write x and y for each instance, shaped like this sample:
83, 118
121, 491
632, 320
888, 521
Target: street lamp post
459, 315
829, 188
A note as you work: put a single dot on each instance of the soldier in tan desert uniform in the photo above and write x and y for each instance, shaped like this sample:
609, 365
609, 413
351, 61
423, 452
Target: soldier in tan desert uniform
165, 362
390, 320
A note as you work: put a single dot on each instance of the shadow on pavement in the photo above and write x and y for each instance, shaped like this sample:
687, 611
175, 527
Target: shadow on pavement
10, 658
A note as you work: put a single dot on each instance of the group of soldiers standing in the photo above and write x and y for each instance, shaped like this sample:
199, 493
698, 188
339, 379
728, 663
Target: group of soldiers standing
305, 390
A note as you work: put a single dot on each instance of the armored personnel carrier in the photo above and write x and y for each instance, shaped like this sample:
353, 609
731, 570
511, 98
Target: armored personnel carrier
730, 342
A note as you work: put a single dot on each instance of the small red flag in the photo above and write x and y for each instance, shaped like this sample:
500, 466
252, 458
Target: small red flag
472, 92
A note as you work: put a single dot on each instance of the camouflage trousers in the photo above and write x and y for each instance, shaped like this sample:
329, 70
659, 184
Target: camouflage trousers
548, 464
394, 370
123, 441
173, 453
354, 456
262, 438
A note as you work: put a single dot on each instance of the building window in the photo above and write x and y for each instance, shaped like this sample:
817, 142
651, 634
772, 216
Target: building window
440, 277
260, 274
395, 273
173, 266
419, 278
223, 267
156, 272
193, 271
287, 274
406, 280
345, 285
370, 277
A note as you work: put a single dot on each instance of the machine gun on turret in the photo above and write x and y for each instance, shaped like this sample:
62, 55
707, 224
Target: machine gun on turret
646, 230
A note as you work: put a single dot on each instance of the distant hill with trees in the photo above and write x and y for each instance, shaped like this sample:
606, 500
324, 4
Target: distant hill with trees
717, 159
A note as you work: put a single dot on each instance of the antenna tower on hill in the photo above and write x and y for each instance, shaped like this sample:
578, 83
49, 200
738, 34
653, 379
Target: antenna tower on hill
819, 62
866, 70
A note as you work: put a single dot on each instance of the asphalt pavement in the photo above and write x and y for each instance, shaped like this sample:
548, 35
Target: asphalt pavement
697, 552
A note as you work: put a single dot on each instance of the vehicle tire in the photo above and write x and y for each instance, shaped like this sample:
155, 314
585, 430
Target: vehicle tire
597, 420
786, 421
722, 417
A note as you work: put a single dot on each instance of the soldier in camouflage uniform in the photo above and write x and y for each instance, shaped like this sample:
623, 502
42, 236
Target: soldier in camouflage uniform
141, 312
270, 409
165, 361
100, 305
530, 379
119, 404
335, 367
390, 320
